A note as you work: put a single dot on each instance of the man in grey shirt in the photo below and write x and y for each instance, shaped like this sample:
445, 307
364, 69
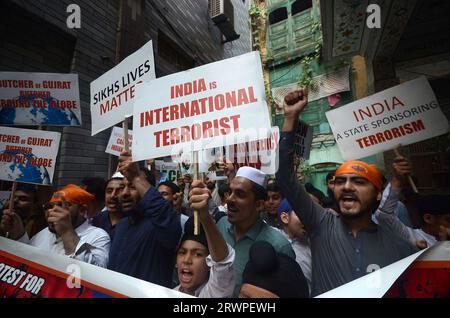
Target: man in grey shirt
345, 246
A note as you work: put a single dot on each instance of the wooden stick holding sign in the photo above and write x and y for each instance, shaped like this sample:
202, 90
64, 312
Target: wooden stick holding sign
11, 201
410, 180
196, 222
125, 135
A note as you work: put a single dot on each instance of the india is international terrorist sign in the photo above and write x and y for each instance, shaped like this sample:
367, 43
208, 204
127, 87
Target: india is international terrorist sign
113, 93
398, 116
34, 99
218, 104
28, 155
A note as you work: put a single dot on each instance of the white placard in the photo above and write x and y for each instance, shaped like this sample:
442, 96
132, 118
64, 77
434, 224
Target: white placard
39, 99
28, 155
113, 93
222, 103
116, 143
401, 115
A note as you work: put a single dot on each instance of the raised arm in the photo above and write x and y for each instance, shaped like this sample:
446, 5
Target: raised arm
385, 213
132, 172
198, 198
309, 213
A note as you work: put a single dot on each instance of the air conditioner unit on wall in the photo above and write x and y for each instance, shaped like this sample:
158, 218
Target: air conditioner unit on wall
222, 14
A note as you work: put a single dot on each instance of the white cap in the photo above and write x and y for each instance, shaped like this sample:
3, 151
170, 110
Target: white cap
117, 174
253, 174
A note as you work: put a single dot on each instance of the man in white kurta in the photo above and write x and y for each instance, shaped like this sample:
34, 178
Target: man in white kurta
68, 232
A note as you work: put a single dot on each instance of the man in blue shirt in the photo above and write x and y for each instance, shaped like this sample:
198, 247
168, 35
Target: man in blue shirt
145, 242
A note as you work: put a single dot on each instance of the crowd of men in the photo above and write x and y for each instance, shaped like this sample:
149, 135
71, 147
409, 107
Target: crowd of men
258, 237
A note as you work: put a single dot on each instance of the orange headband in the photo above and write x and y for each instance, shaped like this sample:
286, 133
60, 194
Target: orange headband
72, 194
365, 170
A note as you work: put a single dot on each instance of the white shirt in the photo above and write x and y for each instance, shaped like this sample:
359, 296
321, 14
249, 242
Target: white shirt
93, 247
221, 278
387, 218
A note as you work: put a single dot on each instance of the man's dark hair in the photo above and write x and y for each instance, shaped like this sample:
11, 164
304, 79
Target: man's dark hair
315, 192
259, 191
149, 176
273, 187
30, 188
223, 188
173, 187
330, 175
95, 186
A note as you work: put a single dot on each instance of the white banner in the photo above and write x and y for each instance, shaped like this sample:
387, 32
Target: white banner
423, 266
28, 155
401, 115
222, 103
39, 99
29, 272
113, 93
116, 142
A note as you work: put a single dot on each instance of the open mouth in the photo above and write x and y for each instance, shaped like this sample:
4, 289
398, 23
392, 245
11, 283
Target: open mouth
348, 201
112, 205
185, 276
232, 209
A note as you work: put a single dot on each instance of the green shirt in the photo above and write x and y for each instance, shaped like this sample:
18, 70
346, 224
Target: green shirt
260, 231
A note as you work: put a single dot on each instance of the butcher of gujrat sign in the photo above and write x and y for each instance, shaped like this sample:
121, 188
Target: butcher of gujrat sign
398, 116
28, 155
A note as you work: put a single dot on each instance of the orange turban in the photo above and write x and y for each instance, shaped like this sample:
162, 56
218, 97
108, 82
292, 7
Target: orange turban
72, 194
365, 170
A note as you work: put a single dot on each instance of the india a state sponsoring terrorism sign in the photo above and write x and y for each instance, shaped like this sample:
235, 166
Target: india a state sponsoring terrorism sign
39, 99
401, 115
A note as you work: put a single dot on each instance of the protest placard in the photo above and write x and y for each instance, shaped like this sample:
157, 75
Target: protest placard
39, 99
116, 141
28, 155
169, 170
113, 93
222, 103
30, 272
400, 115
260, 154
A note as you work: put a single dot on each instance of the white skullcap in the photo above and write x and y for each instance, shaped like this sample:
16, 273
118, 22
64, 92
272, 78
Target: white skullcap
253, 174
117, 174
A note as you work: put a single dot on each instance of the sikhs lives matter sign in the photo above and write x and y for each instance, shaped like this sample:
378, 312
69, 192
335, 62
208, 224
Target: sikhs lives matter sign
39, 99
210, 106
29, 272
113, 93
398, 116
28, 155
116, 143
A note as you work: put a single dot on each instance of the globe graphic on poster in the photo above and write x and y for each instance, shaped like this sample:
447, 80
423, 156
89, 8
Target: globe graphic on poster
38, 116
24, 172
